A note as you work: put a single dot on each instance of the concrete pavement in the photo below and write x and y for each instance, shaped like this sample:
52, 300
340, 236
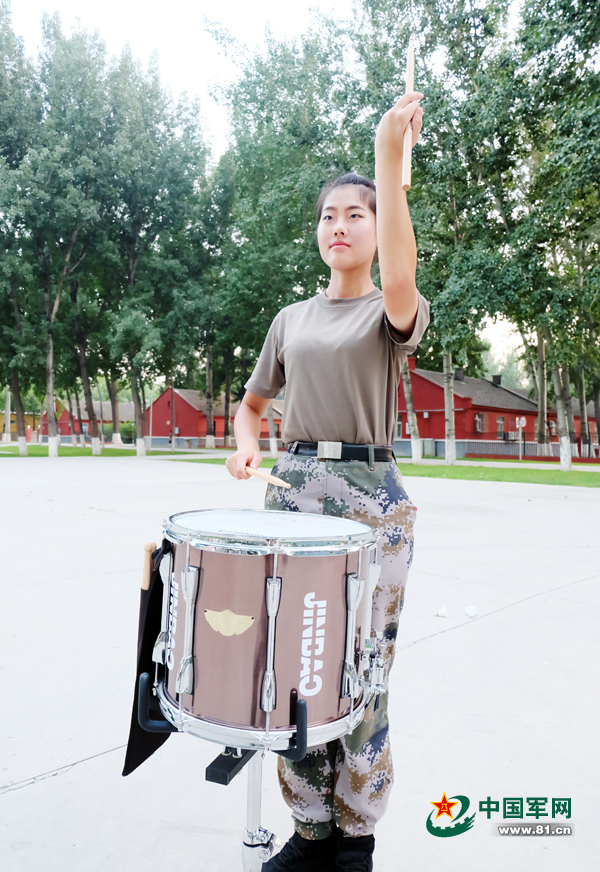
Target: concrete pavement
502, 705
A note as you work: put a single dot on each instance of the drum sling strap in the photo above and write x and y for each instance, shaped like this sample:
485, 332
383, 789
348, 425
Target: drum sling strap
141, 743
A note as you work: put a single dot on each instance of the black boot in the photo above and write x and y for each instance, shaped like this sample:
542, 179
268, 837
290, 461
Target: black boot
304, 855
355, 853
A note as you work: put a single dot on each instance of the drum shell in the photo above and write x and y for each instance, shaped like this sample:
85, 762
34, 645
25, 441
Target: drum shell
230, 635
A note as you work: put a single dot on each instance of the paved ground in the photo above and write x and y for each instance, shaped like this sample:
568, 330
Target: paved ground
504, 705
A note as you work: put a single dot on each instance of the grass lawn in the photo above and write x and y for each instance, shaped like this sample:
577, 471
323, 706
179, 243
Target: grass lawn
530, 462
474, 473
7, 450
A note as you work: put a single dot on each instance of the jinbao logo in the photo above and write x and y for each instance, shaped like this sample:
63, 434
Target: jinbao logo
445, 809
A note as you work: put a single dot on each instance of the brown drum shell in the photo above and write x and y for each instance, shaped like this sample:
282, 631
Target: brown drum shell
229, 661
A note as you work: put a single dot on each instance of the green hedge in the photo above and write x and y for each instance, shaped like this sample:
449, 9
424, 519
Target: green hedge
127, 431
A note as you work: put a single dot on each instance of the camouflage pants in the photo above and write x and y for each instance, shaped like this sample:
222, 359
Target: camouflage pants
347, 781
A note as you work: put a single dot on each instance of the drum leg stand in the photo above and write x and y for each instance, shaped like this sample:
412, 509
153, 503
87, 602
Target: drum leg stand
258, 843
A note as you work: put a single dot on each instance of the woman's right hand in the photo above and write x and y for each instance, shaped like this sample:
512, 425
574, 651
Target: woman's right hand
237, 463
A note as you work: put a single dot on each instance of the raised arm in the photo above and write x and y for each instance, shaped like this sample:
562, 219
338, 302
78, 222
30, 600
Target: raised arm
396, 244
247, 432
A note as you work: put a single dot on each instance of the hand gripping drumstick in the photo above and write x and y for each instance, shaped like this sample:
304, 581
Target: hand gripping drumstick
149, 547
259, 473
407, 148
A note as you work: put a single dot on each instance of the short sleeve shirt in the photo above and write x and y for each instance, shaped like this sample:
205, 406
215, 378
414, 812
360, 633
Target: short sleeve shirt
340, 361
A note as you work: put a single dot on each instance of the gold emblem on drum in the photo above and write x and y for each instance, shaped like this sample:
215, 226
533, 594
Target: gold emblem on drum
227, 623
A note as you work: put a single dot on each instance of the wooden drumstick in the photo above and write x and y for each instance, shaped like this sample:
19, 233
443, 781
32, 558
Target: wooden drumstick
149, 547
272, 479
407, 147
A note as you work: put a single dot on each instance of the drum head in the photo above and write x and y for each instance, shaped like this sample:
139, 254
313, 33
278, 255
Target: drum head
245, 531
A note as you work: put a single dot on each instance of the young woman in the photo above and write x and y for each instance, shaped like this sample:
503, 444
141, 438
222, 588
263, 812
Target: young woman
340, 356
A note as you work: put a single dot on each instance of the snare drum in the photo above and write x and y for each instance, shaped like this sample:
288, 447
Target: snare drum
261, 609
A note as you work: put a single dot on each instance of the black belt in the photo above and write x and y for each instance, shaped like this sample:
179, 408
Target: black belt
341, 451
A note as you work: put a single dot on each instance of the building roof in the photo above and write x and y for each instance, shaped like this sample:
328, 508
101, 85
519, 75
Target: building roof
198, 402
591, 412
104, 413
484, 393
126, 412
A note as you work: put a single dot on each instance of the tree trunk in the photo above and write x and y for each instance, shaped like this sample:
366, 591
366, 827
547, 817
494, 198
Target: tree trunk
563, 426
101, 408
597, 410
85, 378
140, 444
172, 414
585, 428
51, 306
243, 371
6, 431
20, 412
79, 418
450, 434
87, 395
210, 439
144, 410
529, 359
273, 446
111, 387
71, 419
415, 440
227, 428
53, 438
41, 424
544, 448
566, 385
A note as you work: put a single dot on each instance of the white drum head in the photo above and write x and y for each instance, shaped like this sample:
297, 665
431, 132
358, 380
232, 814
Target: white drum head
260, 532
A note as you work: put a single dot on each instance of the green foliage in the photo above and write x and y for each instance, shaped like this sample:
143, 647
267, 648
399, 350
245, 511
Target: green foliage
127, 431
126, 254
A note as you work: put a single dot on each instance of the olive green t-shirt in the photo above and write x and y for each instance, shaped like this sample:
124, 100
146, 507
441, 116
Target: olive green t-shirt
340, 361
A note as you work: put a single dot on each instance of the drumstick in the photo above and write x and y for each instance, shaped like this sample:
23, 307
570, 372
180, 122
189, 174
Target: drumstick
149, 547
410, 85
259, 473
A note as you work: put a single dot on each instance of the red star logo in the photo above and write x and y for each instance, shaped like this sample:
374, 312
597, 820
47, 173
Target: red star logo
444, 807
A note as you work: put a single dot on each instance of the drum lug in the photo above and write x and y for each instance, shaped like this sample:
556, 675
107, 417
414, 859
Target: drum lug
189, 588
159, 653
376, 684
269, 692
354, 591
350, 681
185, 676
273, 596
268, 699
355, 586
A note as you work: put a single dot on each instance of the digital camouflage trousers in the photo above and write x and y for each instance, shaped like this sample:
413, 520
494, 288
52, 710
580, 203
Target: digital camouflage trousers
347, 781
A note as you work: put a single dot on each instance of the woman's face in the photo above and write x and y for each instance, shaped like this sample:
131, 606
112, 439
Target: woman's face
347, 233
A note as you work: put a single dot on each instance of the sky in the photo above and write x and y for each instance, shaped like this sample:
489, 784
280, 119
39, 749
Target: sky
188, 56
189, 59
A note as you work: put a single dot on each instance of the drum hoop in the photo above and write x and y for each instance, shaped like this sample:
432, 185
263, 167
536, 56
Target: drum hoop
246, 544
252, 737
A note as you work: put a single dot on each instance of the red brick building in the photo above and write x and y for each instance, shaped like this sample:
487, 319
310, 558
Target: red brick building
188, 417
102, 410
484, 411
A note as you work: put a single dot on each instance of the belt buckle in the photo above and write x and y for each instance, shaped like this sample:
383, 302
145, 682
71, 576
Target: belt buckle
329, 450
